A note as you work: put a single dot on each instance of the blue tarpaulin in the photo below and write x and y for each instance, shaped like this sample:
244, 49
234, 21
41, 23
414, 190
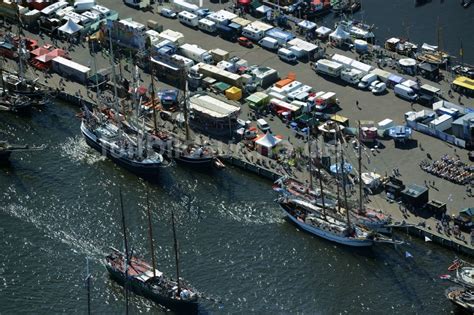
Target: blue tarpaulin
280, 35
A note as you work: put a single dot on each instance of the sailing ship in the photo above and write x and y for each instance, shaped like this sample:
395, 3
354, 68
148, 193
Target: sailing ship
345, 6
186, 152
19, 85
461, 295
144, 279
312, 219
14, 103
357, 29
108, 138
462, 298
371, 218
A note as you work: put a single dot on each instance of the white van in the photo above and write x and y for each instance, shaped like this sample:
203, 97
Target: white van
405, 92
262, 124
83, 5
252, 33
188, 18
206, 25
286, 55
367, 80
268, 43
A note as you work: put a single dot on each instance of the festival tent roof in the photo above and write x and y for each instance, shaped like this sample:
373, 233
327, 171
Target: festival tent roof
51, 55
70, 27
308, 25
323, 31
39, 51
340, 34
268, 140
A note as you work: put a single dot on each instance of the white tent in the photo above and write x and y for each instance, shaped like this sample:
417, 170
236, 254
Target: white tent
323, 31
263, 9
307, 25
70, 28
268, 141
339, 35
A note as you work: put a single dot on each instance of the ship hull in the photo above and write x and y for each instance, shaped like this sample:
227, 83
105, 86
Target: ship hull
184, 307
328, 236
195, 162
141, 169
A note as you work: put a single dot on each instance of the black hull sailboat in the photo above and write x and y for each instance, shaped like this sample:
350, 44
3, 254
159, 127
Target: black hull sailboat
144, 279
140, 280
147, 167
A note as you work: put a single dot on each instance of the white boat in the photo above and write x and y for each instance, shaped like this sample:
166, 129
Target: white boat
312, 219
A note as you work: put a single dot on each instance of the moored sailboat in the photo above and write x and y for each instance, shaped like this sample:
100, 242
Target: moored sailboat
144, 279
310, 218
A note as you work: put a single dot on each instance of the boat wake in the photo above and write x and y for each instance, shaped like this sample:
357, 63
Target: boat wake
53, 228
257, 213
77, 150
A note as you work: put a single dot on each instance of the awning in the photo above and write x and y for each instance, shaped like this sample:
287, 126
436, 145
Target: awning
307, 25
268, 140
323, 31
263, 9
70, 27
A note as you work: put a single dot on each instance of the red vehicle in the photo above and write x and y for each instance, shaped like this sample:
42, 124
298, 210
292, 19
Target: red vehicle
244, 41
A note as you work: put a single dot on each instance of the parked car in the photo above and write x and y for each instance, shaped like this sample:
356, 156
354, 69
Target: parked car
244, 41
373, 84
263, 125
169, 13
379, 88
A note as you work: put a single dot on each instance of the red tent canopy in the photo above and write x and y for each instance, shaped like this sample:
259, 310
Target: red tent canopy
39, 52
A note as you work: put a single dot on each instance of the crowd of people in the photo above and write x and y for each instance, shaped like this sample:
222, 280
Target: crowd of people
450, 168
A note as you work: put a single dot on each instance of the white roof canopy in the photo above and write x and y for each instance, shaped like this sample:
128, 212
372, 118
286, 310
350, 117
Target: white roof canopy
268, 141
339, 33
323, 30
70, 27
212, 106
308, 25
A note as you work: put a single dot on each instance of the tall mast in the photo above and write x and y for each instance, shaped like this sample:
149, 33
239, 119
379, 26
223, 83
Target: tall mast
112, 62
176, 256
321, 188
185, 90
310, 161
337, 174
124, 230
359, 159
21, 71
96, 79
126, 251
150, 233
346, 204
153, 98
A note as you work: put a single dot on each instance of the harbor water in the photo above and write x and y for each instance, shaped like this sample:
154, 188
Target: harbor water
446, 21
61, 205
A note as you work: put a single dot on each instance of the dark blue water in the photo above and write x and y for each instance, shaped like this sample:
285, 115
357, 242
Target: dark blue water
59, 206
400, 18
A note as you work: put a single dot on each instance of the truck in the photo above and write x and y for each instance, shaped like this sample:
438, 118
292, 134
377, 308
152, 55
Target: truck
138, 4
196, 53
329, 67
351, 76
188, 19
219, 54
207, 26
181, 5
405, 92
226, 32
